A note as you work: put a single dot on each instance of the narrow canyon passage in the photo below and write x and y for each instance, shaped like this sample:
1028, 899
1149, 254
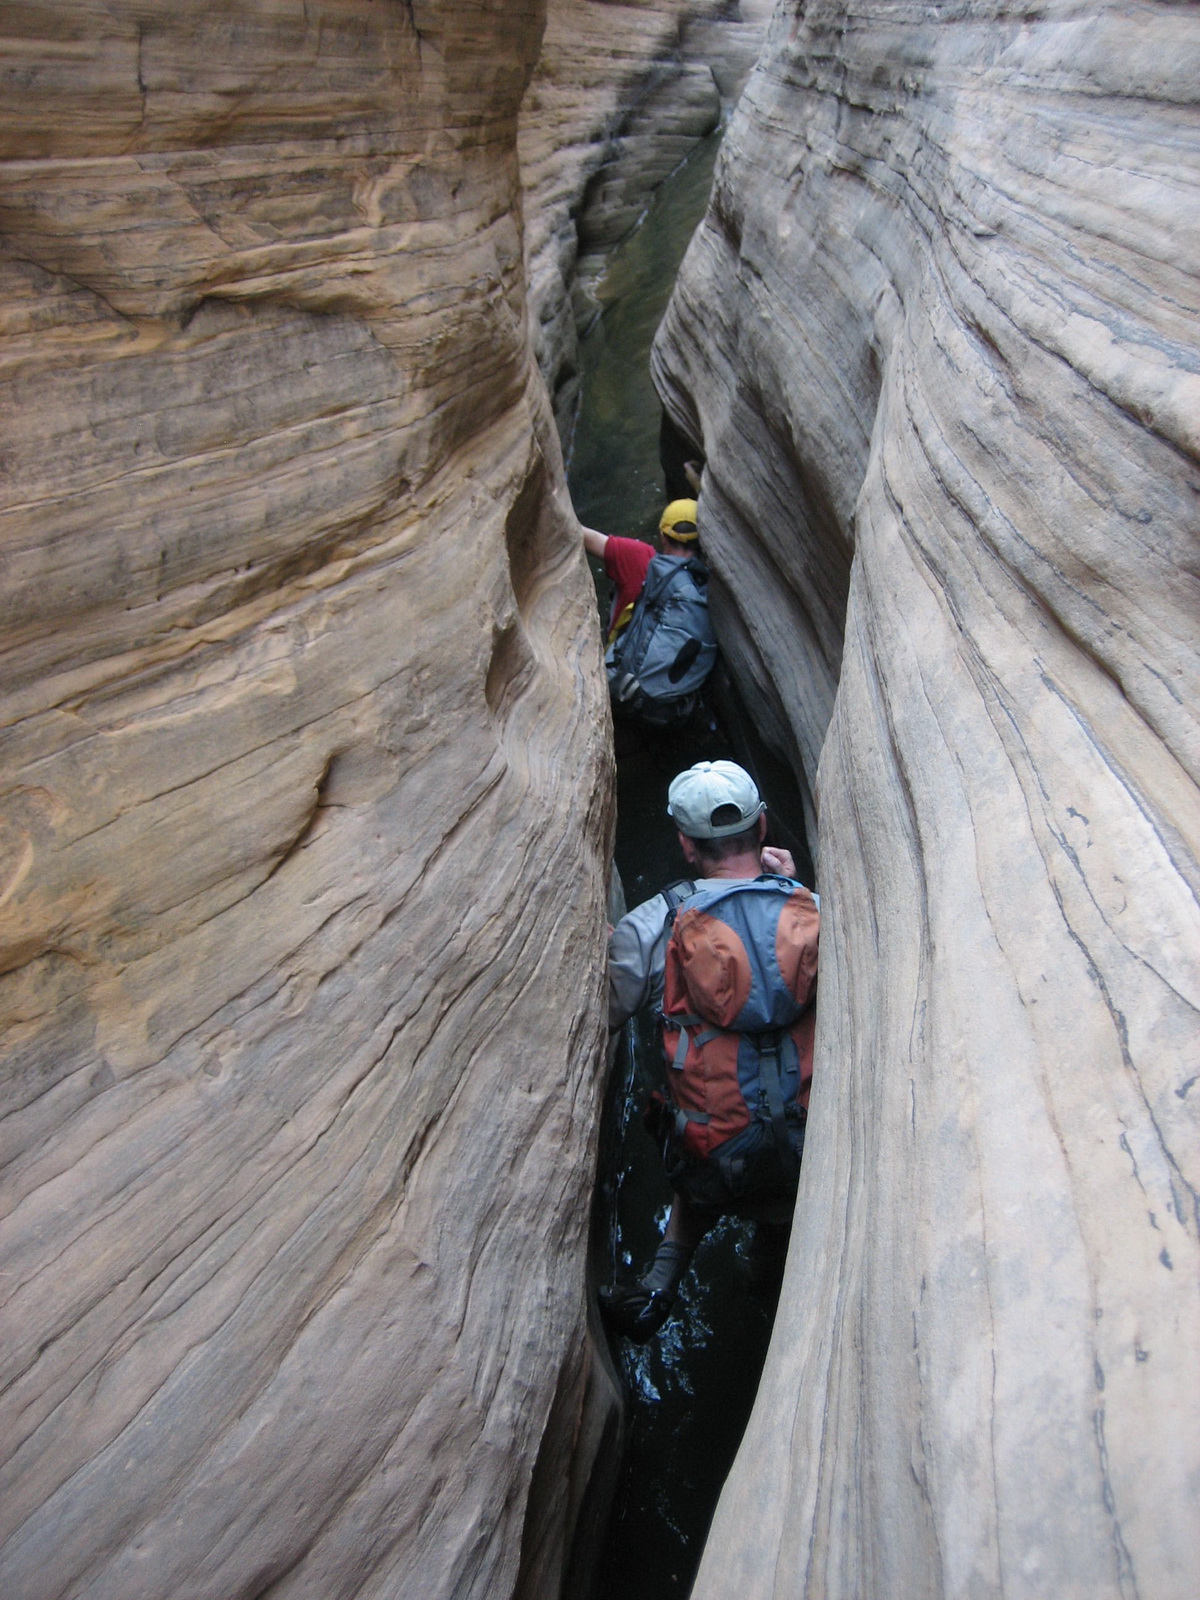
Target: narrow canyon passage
689, 1390
937, 337
308, 803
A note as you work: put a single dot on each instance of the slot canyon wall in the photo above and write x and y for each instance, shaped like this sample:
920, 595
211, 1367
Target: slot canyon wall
937, 338
306, 816
620, 95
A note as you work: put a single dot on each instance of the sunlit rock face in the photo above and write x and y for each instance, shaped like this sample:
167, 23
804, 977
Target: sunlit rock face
620, 96
938, 340
306, 807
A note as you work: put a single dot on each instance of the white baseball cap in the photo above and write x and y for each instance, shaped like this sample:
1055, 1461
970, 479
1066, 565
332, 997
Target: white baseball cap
696, 795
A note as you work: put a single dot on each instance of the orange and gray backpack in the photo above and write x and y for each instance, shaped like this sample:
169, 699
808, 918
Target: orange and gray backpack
738, 1022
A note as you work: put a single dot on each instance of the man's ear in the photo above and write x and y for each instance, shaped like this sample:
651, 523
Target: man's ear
762, 827
690, 854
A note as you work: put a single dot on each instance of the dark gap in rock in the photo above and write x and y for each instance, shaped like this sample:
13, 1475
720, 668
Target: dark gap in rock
689, 1391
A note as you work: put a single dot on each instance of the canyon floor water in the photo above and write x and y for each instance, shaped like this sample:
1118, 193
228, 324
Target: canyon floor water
689, 1390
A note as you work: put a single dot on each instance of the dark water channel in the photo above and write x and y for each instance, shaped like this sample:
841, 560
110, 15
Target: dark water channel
690, 1390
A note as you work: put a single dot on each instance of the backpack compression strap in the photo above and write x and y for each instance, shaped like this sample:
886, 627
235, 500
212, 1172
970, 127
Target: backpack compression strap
682, 1115
768, 1067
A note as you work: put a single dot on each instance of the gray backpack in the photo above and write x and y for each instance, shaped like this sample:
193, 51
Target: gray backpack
658, 664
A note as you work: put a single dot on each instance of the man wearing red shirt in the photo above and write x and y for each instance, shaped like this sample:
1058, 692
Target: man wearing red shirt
626, 560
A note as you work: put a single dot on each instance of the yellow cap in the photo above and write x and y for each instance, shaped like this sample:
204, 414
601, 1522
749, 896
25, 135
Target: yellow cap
679, 511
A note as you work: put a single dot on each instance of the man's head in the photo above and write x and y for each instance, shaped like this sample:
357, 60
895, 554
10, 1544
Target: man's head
677, 528
718, 810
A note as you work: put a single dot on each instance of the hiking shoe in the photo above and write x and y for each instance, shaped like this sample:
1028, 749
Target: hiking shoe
635, 1311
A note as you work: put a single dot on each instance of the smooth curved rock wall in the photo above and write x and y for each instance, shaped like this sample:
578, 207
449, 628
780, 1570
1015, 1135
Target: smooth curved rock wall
620, 96
938, 340
305, 820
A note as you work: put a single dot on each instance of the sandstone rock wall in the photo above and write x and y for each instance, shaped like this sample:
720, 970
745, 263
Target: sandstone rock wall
621, 93
938, 339
305, 815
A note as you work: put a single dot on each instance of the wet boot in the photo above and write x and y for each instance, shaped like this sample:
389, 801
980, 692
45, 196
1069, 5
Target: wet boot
639, 1310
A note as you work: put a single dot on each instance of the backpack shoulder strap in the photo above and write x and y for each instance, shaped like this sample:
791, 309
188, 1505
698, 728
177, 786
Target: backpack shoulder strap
715, 890
660, 580
676, 893
790, 883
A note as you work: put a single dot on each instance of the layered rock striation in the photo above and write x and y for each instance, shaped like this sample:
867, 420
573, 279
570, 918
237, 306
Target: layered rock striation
938, 341
305, 816
621, 94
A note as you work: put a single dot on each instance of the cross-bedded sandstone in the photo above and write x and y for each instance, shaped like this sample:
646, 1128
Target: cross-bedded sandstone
306, 808
937, 338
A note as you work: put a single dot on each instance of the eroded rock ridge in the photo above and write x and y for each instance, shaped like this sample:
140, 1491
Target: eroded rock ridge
937, 339
306, 815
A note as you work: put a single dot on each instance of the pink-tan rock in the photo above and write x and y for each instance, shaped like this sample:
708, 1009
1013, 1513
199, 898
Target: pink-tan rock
305, 816
938, 341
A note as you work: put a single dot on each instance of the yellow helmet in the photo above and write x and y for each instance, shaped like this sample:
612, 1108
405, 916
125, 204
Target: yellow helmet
678, 521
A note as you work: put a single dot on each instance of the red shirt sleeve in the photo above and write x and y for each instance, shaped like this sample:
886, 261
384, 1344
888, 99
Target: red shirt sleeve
626, 562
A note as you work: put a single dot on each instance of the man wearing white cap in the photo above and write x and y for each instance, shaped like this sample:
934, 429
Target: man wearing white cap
721, 820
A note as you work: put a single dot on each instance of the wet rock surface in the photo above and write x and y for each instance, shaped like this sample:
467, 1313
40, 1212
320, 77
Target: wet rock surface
305, 821
937, 341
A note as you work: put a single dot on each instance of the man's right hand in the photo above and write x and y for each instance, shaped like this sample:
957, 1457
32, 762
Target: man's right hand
778, 861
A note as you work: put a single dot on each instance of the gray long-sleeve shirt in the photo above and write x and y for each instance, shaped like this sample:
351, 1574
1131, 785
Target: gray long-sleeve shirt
637, 960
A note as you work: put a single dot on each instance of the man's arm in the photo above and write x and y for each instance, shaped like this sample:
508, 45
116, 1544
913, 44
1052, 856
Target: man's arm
636, 951
628, 973
594, 542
